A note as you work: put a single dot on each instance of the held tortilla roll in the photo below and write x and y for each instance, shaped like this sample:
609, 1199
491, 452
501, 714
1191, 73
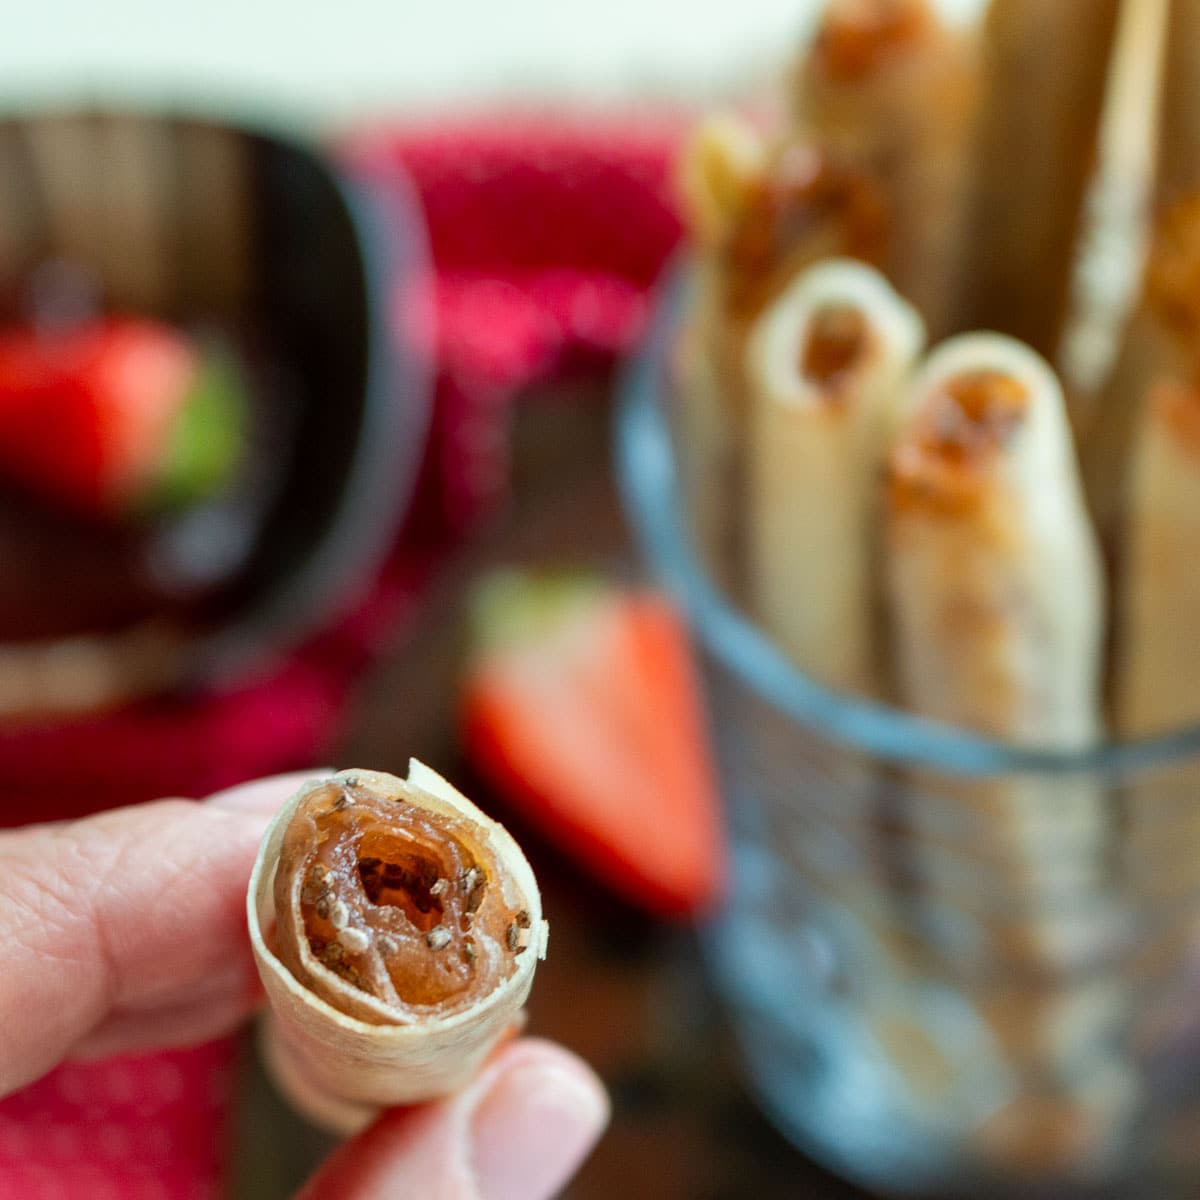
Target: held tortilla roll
824, 363
1045, 66
396, 930
889, 85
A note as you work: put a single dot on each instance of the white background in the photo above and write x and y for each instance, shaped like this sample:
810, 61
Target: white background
327, 60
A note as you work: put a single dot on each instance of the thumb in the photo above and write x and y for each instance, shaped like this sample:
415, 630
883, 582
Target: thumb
519, 1131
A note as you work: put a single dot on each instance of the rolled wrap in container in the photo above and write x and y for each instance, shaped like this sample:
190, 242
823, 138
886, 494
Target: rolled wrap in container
892, 87
996, 600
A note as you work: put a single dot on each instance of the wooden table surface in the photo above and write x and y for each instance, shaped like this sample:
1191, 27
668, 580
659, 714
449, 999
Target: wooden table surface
627, 994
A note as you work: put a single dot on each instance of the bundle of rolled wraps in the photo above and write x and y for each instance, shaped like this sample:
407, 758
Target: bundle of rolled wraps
884, 469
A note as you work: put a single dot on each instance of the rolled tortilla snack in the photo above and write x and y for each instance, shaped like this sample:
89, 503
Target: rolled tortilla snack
982, 462
800, 206
1113, 241
1179, 121
824, 366
807, 203
1033, 152
718, 166
996, 600
1157, 666
1162, 341
396, 929
888, 84
825, 362
1157, 659
996, 605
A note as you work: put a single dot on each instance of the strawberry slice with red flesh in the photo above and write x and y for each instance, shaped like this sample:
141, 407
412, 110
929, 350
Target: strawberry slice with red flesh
87, 413
582, 707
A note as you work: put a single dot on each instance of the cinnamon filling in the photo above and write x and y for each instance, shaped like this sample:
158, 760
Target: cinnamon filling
1179, 409
857, 35
400, 903
968, 420
805, 207
974, 414
837, 342
1173, 271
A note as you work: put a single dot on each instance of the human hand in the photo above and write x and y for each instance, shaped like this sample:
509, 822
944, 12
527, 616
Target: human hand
126, 932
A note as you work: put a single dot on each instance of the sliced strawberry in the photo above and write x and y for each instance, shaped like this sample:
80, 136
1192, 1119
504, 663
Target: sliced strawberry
107, 416
207, 437
582, 706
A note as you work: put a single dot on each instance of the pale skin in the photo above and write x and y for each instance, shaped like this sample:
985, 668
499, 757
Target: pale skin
126, 932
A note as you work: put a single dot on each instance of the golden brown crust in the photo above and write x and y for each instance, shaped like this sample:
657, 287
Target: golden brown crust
838, 342
857, 36
962, 426
1173, 272
1178, 409
806, 206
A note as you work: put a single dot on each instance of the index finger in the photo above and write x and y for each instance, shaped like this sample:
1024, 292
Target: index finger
126, 930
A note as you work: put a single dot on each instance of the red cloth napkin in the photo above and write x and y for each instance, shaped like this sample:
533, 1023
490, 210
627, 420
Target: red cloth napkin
547, 234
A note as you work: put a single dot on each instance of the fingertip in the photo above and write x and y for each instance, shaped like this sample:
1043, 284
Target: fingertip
519, 1131
536, 1122
539, 1055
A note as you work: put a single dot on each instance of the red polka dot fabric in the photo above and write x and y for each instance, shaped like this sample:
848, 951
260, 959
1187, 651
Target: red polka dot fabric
547, 234
147, 1128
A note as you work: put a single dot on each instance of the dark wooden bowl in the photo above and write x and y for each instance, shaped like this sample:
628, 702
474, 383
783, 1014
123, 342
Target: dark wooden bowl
219, 226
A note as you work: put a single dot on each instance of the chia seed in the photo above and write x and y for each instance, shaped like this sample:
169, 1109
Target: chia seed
438, 938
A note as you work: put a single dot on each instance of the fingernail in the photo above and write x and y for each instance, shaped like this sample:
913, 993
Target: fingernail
533, 1128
